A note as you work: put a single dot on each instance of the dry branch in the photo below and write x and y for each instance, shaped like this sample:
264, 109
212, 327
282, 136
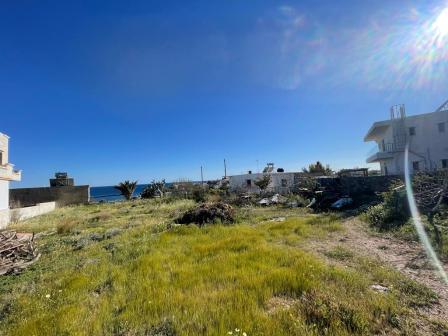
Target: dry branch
17, 251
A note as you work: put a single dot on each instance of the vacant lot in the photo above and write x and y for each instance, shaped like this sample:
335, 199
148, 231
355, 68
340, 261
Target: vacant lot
126, 269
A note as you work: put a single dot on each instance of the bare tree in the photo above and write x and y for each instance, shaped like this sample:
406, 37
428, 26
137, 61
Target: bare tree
155, 188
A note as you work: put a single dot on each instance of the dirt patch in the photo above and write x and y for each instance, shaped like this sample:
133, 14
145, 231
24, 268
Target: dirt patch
407, 257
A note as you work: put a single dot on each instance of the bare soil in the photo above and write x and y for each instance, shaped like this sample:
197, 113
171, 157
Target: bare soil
407, 257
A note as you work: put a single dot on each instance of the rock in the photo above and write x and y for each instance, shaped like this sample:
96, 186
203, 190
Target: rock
81, 243
96, 236
112, 233
379, 288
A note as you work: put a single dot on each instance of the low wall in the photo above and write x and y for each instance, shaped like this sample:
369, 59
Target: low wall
4, 218
18, 214
32, 211
25, 197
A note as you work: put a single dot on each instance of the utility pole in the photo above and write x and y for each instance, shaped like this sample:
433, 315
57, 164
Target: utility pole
202, 178
225, 169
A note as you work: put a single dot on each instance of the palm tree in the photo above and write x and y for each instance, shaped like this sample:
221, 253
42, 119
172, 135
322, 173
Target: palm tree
126, 188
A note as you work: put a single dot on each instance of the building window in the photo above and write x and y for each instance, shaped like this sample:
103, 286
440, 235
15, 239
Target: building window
411, 130
441, 127
284, 182
249, 183
444, 163
416, 165
1, 158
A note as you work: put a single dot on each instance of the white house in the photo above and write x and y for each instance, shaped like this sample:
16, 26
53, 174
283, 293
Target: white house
7, 174
426, 134
280, 181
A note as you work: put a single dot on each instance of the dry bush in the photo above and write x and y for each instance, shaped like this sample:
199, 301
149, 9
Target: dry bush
208, 213
66, 225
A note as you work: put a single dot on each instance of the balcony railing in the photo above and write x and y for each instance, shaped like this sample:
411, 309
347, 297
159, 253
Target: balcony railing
392, 147
8, 173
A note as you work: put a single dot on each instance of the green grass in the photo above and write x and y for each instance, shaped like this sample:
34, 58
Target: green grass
197, 281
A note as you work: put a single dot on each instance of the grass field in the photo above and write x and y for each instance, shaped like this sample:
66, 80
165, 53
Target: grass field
126, 269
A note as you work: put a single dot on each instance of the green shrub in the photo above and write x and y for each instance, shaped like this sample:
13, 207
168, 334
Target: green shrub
392, 213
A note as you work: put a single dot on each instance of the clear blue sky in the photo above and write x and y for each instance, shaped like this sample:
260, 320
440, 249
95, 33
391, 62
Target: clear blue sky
114, 90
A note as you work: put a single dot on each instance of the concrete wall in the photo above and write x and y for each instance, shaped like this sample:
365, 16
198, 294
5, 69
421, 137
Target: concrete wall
4, 195
7, 216
24, 197
32, 211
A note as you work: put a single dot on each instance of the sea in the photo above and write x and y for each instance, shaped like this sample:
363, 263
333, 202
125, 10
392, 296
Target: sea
110, 194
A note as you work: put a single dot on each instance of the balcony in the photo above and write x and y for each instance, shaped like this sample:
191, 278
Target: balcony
8, 173
386, 151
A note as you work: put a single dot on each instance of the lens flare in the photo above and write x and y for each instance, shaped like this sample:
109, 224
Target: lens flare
409, 51
440, 24
418, 222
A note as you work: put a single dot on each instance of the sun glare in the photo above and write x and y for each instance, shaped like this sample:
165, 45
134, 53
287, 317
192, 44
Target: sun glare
441, 23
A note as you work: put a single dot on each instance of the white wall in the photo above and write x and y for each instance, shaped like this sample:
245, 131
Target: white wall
4, 195
32, 211
4, 218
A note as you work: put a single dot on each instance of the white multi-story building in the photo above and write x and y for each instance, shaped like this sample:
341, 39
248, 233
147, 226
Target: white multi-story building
7, 174
426, 134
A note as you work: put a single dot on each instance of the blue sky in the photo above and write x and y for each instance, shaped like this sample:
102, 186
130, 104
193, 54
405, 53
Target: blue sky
114, 90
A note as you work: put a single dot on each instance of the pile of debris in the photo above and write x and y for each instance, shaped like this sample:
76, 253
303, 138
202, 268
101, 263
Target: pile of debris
208, 213
17, 251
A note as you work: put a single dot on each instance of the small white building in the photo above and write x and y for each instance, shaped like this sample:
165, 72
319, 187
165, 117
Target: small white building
280, 182
7, 174
426, 134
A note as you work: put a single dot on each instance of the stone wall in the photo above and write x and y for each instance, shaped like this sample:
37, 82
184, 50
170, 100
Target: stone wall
25, 197
352, 186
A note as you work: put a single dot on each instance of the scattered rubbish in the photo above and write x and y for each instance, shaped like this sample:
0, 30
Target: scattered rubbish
313, 201
277, 199
342, 202
264, 201
17, 252
208, 213
379, 288
278, 219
